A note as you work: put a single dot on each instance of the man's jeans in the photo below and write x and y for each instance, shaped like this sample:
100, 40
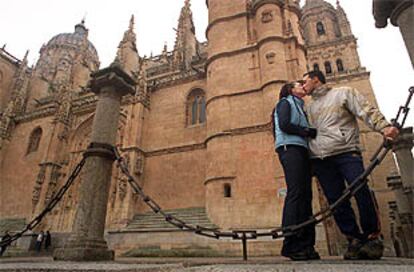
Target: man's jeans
332, 172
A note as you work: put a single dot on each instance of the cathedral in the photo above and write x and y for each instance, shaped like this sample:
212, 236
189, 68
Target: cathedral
196, 134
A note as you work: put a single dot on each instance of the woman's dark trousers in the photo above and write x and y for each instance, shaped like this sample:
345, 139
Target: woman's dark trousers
298, 202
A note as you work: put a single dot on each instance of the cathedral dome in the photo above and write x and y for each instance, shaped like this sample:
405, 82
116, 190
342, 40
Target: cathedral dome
311, 4
74, 40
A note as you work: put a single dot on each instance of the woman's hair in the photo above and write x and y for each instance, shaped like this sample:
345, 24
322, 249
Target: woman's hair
285, 91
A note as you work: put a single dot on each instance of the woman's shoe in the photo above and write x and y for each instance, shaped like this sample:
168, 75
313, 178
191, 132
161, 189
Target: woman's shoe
313, 254
298, 256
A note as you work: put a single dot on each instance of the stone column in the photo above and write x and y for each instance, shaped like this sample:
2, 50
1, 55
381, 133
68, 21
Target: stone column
403, 215
405, 186
403, 151
86, 242
403, 16
401, 13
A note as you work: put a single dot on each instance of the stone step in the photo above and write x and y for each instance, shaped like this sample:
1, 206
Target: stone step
150, 220
161, 219
182, 212
166, 224
157, 219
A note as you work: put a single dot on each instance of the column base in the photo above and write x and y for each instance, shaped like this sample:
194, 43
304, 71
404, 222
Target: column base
84, 251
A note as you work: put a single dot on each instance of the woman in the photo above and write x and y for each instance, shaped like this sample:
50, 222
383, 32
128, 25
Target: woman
291, 131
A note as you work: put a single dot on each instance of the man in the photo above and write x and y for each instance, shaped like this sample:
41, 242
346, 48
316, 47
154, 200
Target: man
39, 241
48, 240
6, 237
336, 157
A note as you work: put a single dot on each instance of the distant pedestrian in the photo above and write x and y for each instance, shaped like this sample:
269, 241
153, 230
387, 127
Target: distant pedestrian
5, 238
39, 241
48, 240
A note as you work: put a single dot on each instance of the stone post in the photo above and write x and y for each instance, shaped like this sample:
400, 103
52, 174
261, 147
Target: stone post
397, 235
403, 212
404, 188
403, 151
86, 242
401, 13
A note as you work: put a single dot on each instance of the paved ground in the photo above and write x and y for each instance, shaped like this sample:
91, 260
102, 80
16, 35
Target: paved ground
270, 264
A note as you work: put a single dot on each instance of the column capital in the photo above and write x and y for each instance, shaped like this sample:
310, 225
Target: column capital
405, 140
113, 76
398, 9
383, 10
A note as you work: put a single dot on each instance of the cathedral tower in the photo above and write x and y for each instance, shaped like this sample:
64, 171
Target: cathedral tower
253, 48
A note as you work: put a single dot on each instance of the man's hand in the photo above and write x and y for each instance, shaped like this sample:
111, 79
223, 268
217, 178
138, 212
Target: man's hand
390, 133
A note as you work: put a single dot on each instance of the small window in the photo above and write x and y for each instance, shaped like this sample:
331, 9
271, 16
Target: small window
34, 140
328, 68
202, 112
1, 76
320, 28
227, 190
196, 107
340, 65
316, 67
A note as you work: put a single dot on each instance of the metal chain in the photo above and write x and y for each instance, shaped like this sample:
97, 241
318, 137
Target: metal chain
279, 232
49, 207
254, 234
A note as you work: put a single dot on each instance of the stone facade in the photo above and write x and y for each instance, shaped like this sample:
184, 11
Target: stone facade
197, 125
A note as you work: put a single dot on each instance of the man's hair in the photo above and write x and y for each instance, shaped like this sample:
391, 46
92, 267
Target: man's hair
318, 74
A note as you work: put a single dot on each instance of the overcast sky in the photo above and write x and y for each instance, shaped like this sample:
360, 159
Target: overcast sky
26, 24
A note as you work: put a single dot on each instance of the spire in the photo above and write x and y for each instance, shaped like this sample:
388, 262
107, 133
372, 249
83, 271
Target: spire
24, 61
343, 21
81, 28
186, 43
339, 7
131, 23
127, 55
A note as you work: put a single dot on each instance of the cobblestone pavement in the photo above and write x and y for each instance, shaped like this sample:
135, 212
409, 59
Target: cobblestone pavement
304, 267
205, 265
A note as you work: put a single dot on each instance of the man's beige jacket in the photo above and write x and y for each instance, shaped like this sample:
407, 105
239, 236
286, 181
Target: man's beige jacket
334, 112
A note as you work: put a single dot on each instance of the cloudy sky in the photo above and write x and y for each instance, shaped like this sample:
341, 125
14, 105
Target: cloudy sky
26, 25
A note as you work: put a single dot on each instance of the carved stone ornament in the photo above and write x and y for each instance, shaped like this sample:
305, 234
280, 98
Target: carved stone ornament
38, 186
122, 187
267, 16
270, 57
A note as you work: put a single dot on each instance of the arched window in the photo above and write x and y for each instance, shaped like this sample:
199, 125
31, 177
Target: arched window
340, 65
34, 140
196, 107
316, 67
328, 68
320, 28
227, 190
